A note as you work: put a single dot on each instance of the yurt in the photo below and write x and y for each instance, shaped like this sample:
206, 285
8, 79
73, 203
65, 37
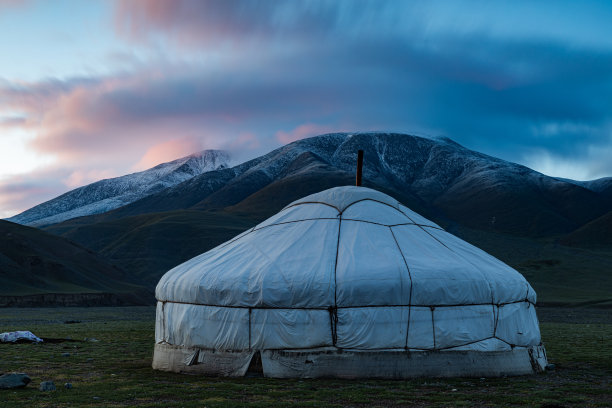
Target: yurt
347, 283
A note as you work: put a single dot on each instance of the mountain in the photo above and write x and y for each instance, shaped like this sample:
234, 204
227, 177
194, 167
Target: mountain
106, 195
490, 202
439, 177
38, 268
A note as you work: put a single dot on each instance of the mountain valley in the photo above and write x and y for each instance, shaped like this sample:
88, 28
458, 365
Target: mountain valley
551, 230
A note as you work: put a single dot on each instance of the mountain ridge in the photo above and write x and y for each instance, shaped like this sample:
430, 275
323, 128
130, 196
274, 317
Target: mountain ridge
437, 170
108, 194
466, 186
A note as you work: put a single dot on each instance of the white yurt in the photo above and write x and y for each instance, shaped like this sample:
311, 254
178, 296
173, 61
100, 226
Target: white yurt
347, 283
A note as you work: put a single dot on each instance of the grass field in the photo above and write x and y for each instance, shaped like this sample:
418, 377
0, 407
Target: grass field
113, 368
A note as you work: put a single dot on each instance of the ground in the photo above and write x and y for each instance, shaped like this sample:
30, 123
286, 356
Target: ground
108, 362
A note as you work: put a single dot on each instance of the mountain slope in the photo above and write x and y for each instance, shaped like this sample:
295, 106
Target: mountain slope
109, 194
33, 262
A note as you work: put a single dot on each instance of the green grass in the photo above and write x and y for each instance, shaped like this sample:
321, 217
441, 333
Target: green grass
579, 342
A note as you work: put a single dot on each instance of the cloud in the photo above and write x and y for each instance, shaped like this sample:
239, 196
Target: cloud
12, 121
485, 93
190, 21
20, 192
196, 22
84, 121
371, 72
168, 151
559, 166
79, 178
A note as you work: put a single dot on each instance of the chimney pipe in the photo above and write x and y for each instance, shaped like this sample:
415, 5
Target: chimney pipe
359, 167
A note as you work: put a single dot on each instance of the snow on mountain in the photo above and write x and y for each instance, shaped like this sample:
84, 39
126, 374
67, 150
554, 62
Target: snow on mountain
108, 194
427, 165
430, 167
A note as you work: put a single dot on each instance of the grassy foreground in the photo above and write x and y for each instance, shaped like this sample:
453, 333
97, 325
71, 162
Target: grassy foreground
108, 363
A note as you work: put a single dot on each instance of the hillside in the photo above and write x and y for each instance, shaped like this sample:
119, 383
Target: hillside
39, 267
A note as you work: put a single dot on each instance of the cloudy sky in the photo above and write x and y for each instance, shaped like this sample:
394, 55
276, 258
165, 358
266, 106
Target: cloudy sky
95, 89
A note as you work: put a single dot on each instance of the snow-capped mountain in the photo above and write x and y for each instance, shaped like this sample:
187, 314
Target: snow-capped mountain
435, 175
108, 194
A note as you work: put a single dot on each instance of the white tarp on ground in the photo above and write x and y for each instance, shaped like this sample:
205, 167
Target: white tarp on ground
348, 268
21, 335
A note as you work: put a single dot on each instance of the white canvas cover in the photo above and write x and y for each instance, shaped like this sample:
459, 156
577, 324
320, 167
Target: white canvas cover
346, 269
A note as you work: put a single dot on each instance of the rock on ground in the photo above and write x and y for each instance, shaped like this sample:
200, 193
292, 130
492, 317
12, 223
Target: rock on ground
14, 380
47, 386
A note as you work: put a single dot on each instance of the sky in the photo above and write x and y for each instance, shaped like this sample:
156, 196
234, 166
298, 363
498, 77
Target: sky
101, 88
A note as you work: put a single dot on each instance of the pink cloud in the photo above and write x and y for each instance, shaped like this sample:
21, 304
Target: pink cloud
247, 141
213, 22
304, 131
194, 22
101, 123
246, 145
94, 129
93, 120
168, 151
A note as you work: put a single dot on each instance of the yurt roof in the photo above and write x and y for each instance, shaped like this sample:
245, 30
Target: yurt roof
348, 283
